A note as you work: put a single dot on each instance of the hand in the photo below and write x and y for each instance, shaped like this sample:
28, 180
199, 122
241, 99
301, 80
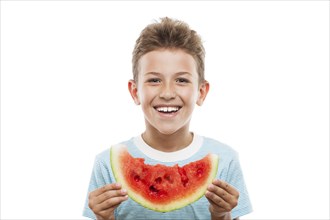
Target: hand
222, 197
104, 200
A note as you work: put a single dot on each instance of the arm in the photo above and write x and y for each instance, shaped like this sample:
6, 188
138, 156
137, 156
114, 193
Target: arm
223, 198
103, 201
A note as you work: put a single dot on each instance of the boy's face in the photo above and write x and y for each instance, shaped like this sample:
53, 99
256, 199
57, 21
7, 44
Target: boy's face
168, 89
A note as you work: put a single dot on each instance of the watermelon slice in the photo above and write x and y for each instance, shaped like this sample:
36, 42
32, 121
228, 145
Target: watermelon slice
162, 188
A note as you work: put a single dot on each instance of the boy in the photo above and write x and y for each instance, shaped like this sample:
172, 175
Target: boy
168, 72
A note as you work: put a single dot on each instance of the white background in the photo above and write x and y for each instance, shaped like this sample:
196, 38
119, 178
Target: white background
64, 98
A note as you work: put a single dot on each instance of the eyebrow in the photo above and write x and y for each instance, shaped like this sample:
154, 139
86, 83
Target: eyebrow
178, 73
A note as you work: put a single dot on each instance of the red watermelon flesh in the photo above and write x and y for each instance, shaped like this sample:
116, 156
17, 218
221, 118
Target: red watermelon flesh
159, 187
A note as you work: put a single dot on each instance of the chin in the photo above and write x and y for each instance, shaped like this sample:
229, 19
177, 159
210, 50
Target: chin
167, 132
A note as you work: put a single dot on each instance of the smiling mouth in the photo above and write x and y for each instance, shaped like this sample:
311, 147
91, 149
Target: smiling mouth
168, 109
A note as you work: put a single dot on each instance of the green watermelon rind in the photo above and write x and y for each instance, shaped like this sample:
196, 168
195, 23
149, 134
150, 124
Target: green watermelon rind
114, 160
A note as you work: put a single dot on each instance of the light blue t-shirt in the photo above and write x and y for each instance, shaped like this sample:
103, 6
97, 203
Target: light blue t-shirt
229, 170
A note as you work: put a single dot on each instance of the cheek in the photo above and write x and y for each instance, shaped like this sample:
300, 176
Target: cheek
145, 95
190, 96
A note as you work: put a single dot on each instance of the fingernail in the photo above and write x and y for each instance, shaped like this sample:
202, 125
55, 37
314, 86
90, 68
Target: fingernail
124, 191
118, 185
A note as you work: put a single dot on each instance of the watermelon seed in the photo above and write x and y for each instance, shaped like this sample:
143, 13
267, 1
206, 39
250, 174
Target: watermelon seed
153, 189
168, 178
137, 178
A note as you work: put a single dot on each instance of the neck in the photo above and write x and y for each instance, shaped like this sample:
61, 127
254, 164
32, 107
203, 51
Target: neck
168, 142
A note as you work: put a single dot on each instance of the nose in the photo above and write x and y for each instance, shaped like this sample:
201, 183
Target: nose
167, 92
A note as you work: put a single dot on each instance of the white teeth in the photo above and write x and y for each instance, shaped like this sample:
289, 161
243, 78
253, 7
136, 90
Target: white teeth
167, 109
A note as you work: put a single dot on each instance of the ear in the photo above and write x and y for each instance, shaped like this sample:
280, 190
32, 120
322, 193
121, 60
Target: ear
203, 90
132, 88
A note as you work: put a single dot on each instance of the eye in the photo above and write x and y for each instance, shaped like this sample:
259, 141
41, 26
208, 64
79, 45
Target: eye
182, 80
153, 80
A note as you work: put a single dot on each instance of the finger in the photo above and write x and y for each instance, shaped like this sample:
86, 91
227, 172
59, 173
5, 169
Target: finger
99, 191
215, 208
111, 203
109, 194
216, 189
227, 187
224, 195
218, 203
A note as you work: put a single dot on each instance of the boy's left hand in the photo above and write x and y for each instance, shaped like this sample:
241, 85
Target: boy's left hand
222, 197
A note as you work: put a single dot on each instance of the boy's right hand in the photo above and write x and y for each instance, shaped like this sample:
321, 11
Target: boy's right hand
104, 200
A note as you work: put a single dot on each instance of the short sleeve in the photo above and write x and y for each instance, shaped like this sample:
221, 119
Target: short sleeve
100, 177
236, 179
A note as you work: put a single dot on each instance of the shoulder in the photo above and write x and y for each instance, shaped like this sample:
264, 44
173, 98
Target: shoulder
104, 155
218, 147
